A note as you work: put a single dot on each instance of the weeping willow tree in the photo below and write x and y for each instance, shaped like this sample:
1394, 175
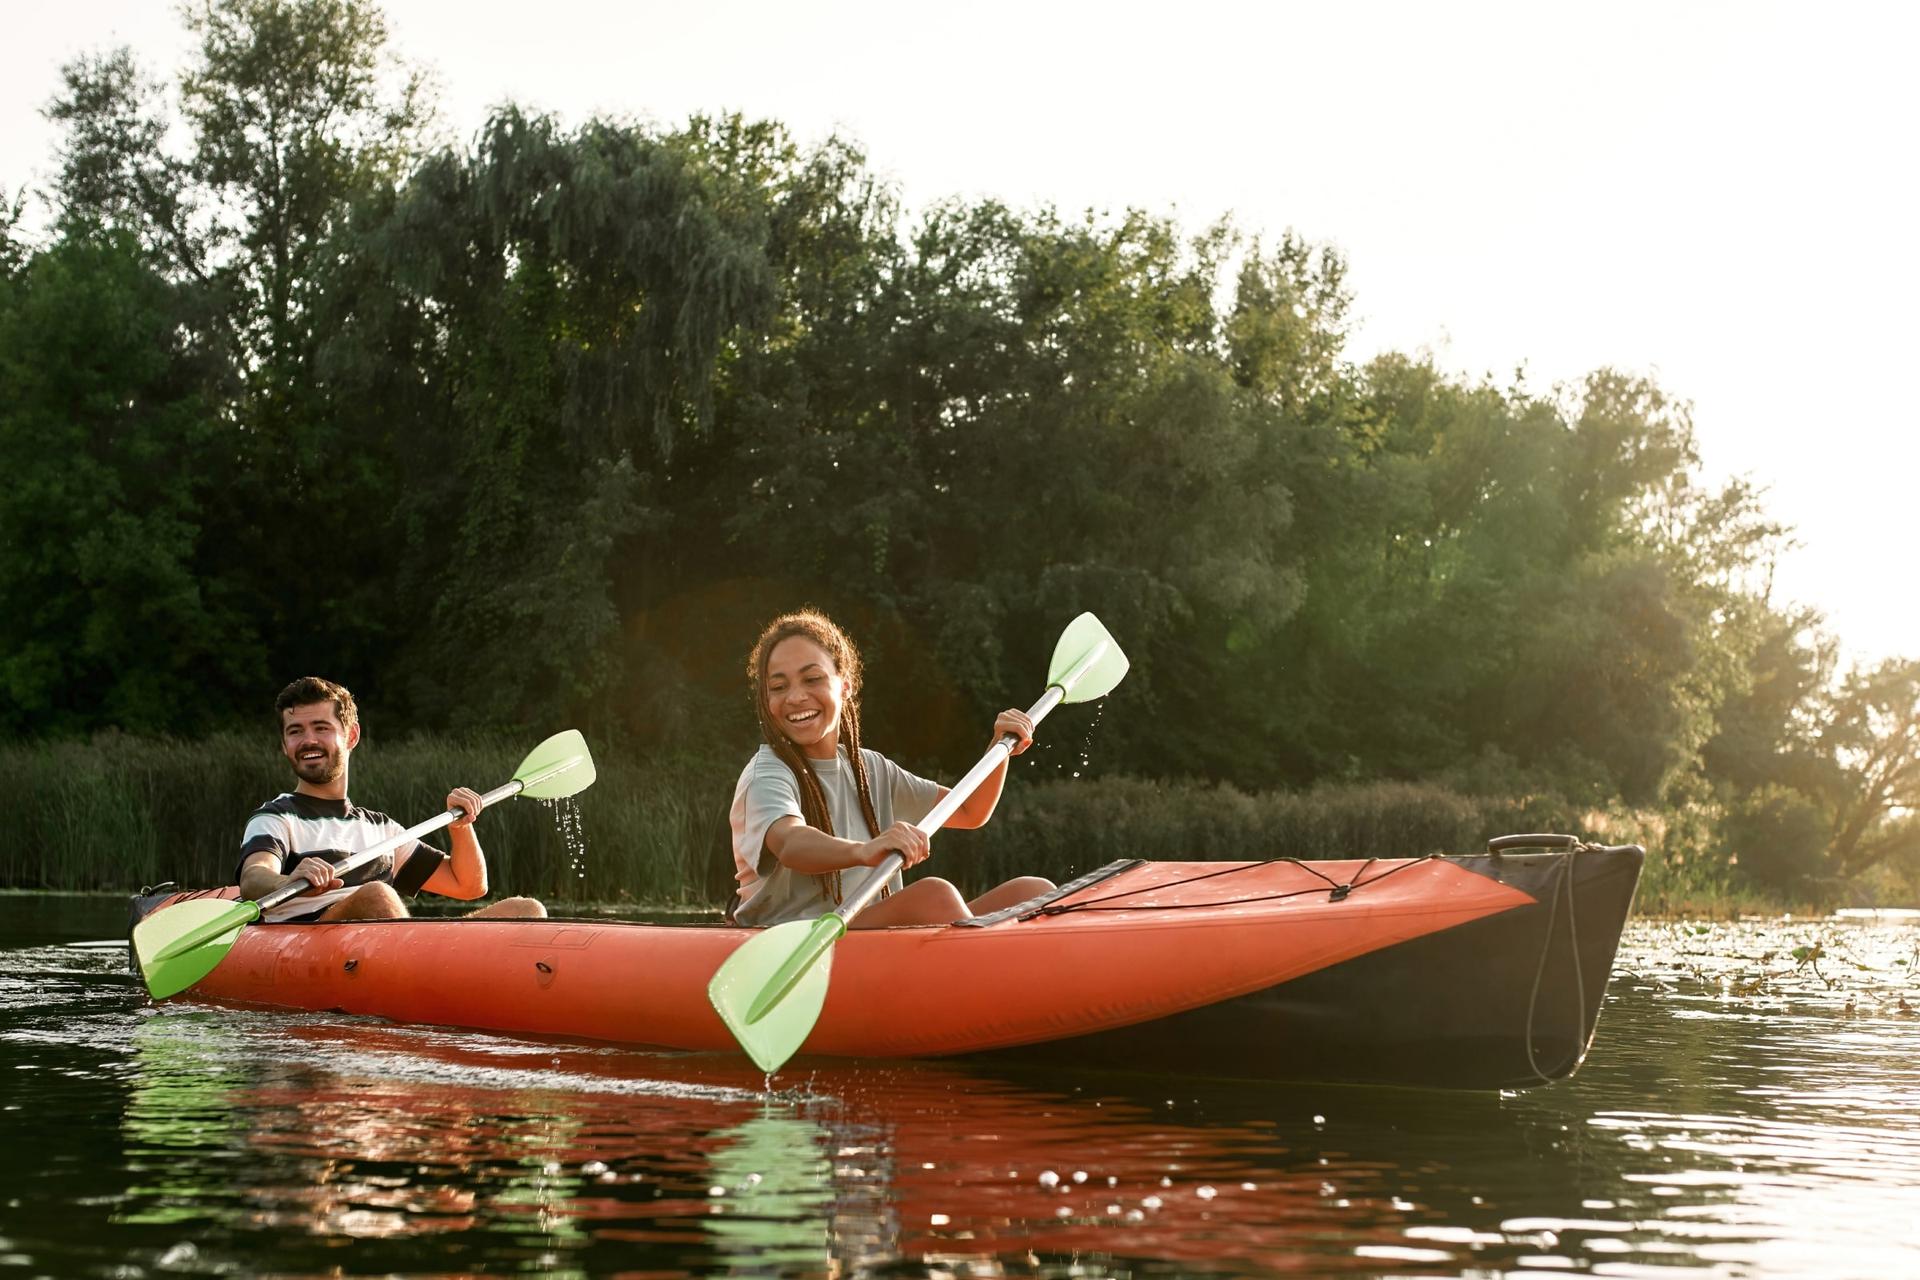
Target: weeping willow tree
536, 327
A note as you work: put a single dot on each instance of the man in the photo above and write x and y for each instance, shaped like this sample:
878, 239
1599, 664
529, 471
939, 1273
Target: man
301, 834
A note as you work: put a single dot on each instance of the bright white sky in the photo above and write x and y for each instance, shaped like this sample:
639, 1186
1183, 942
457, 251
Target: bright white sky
1719, 194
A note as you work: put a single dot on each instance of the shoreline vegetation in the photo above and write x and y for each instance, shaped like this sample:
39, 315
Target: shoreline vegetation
121, 812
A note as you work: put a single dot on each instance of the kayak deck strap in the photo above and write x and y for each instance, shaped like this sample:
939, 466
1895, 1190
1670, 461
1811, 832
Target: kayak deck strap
1335, 890
1033, 906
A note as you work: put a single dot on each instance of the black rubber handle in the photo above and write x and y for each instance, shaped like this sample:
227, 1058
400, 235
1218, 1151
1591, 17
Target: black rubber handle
1500, 844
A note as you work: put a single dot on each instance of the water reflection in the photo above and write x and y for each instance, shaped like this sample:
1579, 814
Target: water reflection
778, 1181
178, 1108
1743, 1113
367, 1132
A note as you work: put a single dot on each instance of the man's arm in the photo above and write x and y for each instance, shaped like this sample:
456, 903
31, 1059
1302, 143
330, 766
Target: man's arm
464, 874
260, 874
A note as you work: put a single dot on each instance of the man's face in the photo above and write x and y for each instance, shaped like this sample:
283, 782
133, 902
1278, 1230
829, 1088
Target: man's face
311, 737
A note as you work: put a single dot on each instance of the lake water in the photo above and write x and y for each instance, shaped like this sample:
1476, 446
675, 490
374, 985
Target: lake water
1749, 1109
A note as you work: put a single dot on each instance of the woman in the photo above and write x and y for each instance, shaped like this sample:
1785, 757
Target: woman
815, 813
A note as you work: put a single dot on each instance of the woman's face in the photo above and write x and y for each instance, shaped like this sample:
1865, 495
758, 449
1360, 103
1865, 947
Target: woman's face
804, 695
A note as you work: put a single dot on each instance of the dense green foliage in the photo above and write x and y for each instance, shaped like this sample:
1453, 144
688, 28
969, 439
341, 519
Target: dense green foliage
538, 430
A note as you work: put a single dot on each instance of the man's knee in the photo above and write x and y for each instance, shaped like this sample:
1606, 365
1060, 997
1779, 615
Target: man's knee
514, 909
376, 901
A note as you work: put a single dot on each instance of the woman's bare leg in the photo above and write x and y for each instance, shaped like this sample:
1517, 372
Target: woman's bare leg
928, 901
1005, 895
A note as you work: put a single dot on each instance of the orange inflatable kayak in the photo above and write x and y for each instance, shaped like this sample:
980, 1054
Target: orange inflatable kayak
1481, 971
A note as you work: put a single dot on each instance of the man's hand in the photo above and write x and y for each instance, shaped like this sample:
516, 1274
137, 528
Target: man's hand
319, 872
468, 802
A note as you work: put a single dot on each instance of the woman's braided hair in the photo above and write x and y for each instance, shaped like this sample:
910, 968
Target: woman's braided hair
840, 651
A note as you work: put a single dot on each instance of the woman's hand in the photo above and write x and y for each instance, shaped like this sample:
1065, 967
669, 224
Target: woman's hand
909, 841
1015, 722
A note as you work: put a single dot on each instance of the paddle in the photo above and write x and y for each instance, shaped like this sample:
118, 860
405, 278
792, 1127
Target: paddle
770, 990
179, 945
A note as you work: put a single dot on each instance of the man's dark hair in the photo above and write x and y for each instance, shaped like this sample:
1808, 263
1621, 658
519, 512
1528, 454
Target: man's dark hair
310, 689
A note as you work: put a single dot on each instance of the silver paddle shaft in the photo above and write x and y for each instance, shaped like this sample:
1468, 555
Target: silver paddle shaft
963, 790
300, 884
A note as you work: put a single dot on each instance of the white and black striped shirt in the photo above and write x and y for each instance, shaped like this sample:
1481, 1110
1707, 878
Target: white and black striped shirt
293, 826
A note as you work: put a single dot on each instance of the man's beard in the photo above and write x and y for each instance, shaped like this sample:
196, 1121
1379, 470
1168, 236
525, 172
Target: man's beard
324, 770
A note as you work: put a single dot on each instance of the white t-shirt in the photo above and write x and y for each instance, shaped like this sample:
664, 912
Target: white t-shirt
771, 893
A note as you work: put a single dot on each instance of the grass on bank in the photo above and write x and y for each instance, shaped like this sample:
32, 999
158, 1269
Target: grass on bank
118, 812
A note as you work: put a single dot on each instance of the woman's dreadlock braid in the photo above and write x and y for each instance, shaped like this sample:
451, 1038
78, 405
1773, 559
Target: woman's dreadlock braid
839, 648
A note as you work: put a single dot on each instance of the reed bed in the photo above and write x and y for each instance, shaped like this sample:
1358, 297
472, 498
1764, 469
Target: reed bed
118, 812
1063, 828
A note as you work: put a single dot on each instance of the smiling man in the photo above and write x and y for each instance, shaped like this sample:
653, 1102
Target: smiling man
303, 833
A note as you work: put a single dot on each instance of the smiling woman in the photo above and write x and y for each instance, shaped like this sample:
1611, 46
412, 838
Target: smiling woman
812, 780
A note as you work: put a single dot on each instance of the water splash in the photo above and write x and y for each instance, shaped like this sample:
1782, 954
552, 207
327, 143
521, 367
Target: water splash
1084, 756
566, 820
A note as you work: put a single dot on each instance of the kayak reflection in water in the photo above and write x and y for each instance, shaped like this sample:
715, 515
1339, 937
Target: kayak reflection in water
812, 780
303, 833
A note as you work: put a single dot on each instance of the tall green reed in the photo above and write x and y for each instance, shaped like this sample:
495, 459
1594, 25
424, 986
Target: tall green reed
118, 812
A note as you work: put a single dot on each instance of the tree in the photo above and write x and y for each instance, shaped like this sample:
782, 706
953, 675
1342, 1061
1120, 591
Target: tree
1873, 733
560, 304
291, 119
107, 440
296, 114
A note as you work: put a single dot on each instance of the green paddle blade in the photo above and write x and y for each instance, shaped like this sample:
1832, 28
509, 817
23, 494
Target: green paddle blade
179, 945
559, 767
1087, 662
770, 990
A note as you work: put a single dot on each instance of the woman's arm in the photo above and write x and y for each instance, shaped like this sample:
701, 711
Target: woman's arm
812, 851
979, 806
